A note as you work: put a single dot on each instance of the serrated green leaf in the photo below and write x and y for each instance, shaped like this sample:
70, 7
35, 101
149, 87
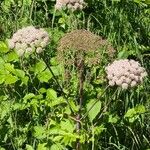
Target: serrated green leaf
67, 126
57, 138
73, 106
27, 2
98, 129
113, 119
9, 67
2, 78
2, 61
53, 61
39, 67
140, 109
19, 73
57, 70
42, 146
61, 20
130, 113
51, 94
12, 56
93, 109
42, 90
29, 147
39, 132
16, 106
3, 47
10, 79
5, 109
25, 80
45, 76
55, 102
10, 121
57, 147
28, 96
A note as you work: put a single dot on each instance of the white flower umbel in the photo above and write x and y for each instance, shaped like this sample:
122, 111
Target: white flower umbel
70, 4
29, 39
125, 73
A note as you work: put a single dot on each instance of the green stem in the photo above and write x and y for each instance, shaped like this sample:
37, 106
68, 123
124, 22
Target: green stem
92, 137
57, 82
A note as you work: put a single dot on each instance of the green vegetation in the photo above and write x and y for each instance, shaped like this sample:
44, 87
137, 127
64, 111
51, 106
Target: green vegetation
60, 99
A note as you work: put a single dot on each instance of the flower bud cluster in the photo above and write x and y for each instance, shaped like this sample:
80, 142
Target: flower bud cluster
125, 73
70, 4
28, 40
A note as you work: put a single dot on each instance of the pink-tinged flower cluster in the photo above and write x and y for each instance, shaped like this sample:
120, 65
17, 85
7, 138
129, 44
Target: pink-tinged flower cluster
70, 4
28, 40
125, 73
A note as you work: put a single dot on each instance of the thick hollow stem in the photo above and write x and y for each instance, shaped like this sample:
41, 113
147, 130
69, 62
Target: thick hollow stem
80, 99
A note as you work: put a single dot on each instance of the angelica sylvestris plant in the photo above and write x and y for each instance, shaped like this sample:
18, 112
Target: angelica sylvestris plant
70, 4
28, 40
125, 73
80, 49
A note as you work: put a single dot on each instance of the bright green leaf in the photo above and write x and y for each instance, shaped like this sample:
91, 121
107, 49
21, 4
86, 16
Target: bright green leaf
57, 146
12, 56
39, 132
45, 76
42, 90
53, 61
42, 146
57, 70
73, 106
19, 73
10, 79
113, 119
39, 67
130, 113
27, 2
9, 67
25, 80
3, 47
140, 109
93, 108
2, 78
98, 129
67, 125
29, 147
51, 94
28, 96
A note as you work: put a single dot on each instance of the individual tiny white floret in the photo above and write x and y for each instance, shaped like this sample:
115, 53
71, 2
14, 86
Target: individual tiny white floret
124, 85
39, 50
11, 44
20, 52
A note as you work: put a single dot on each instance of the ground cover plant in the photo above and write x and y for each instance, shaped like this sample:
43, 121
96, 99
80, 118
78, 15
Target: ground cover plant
74, 74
